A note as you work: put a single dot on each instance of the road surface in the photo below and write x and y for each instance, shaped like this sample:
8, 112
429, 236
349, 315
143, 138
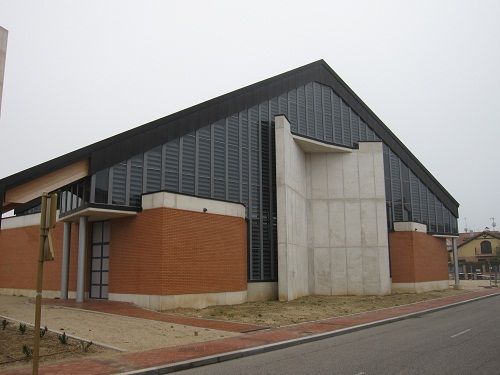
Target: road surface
459, 340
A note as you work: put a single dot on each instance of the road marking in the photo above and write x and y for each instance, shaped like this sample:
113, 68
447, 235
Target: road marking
460, 333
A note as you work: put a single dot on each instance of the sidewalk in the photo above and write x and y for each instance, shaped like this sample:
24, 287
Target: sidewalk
133, 311
217, 350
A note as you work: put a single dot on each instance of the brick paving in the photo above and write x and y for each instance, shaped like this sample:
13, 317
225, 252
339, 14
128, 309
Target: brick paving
151, 358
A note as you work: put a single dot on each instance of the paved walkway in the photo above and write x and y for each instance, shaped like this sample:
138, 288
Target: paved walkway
131, 310
151, 358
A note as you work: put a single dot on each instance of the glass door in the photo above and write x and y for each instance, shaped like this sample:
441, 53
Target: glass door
99, 261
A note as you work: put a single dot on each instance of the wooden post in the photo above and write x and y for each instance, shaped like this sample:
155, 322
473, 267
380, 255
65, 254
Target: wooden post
39, 280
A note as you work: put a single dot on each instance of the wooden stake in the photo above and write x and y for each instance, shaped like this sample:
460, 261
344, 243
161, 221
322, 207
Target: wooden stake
39, 280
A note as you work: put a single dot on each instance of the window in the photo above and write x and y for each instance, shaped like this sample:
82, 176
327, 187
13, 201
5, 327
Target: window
486, 247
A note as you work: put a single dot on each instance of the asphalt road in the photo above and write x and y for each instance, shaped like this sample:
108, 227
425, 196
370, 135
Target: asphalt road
459, 340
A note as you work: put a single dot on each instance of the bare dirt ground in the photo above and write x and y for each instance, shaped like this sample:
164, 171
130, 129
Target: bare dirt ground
51, 349
126, 333
275, 313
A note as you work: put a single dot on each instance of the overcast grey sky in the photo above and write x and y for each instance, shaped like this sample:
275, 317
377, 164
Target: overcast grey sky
81, 71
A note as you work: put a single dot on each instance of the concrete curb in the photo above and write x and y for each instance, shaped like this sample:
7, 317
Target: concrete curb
217, 358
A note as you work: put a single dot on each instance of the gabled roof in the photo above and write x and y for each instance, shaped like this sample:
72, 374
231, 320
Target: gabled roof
124, 145
465, 238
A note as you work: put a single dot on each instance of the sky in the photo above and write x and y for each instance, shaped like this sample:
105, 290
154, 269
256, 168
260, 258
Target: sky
80, 71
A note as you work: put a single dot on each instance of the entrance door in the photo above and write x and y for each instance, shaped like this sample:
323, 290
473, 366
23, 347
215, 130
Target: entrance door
99, 262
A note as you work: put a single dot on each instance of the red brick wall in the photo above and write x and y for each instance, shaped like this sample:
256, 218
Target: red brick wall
135, 255
417, 257
167, 251
19, 256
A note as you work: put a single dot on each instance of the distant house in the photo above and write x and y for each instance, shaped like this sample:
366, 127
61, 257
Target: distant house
478, 246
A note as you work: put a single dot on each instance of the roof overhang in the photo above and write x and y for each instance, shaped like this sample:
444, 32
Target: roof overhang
445, 235
49, 182
97, 214
311, 145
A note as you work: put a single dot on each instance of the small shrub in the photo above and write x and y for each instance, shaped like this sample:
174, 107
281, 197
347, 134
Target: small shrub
27, 351
85, 345
63, 339
4, 324
22, 328
43, 331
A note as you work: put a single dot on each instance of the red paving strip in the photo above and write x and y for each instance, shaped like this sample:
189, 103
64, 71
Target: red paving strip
131, 310
157, 357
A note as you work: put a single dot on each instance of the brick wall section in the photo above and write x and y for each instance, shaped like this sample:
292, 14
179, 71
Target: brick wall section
167, 251
417, 257
135, 255
19, 256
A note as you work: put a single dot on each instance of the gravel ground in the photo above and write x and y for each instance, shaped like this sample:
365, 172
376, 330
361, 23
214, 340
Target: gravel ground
129, 334
275, 313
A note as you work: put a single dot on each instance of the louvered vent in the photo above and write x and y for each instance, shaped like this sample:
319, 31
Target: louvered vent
153, 171
136, 180
119, 183
172, 165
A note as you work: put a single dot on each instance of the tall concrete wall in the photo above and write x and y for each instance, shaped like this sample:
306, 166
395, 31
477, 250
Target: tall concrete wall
3, 54
332, 226
291, 187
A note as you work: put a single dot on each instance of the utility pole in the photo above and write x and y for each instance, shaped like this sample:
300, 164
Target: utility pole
45, 252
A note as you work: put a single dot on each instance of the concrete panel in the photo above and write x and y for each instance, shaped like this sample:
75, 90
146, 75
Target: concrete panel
300, 220
335, 176
371, 271
369, 222
354, 271
20, 221
353, 223
339, 271
321, 230
384, 270
32, 293
197, 301
421, 287
322, 271
336, 213
283, 270
409, 226
265, 291
281, 210
289, 215
378, 169
190, 203
366, 175
382, 235
351, 175
319, 176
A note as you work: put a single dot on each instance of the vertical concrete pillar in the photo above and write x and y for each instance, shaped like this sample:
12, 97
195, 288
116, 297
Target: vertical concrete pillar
82, 239
455, 262
65, 260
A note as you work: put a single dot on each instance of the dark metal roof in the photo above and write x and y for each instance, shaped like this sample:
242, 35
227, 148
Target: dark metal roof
112, 150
